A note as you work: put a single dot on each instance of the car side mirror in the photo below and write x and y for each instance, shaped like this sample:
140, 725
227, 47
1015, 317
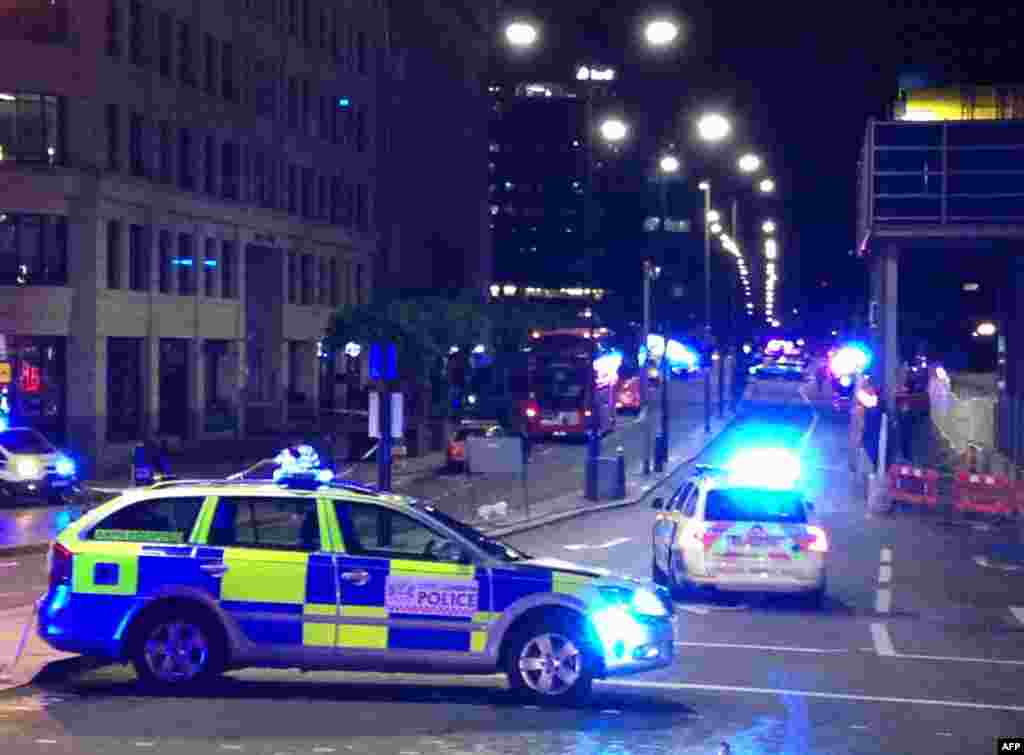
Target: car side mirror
658, 503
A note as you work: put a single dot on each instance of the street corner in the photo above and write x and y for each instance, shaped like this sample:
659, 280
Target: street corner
24, 657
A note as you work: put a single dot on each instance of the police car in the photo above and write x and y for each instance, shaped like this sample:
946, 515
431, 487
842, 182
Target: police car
742, 527
187, 579
32, 466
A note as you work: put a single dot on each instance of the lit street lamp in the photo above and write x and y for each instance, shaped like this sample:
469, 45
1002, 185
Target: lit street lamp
716, 228
614, 130
521, 34
713, 127
713, 215
669, 164
661, 32
749, 163
768, 226
985, 329
767, 186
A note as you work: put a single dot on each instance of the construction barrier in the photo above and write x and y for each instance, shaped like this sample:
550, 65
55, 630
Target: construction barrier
983, 493
913, 485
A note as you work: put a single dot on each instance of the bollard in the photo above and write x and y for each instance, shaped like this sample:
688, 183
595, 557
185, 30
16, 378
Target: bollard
620, 473
590, 479
660, 452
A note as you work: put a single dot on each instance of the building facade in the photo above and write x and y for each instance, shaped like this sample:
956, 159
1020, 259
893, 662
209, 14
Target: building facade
187, 192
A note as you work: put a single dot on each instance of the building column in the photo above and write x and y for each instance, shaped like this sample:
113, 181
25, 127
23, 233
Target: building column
197, 388
238, 347
279, 353
150, 386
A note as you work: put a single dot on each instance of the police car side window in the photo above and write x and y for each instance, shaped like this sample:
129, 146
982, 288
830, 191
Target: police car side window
156, 520
270, 523
676, 504
378, 531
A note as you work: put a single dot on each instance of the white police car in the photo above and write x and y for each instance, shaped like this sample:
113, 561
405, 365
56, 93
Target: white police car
187, 579
31, 466
743, 527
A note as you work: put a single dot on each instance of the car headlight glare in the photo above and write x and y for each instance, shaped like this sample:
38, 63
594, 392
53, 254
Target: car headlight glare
65, 467
28, 468
646, 603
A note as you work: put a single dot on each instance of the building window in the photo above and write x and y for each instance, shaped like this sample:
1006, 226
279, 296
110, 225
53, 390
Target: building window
164, 34
166, 154
138, 258
113, 113
124, 389
293, 102
33, 249
139, 53
136, 142
114, 29
333, 282
113, 254
210, 268
293, 17
306, 193
165, 261
361, 57
293, 277
323, 281
30, 128
210, 162
293, 180
42, 21
185, 262
211, 65
229, 170
186, 160
228, 71
227, 269
323, 195
186, 69
307, 279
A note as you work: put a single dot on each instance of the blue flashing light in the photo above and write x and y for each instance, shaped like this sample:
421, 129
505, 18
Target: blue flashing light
608, 363
210, 263
619, 632
299, 467
656, 345
183, 261
344, 102
65, 466
641, 356
678, 354
851, 358
775, 468
846, 381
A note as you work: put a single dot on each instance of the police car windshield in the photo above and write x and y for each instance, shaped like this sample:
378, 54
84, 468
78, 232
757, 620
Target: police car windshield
755, 505
491, 546
25, 442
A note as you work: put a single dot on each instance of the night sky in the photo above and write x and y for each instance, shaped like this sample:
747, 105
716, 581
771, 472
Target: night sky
799, 80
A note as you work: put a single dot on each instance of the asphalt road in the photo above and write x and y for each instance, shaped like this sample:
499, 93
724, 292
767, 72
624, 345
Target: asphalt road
917, 650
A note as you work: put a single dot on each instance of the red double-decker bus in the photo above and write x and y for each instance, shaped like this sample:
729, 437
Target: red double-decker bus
570, 374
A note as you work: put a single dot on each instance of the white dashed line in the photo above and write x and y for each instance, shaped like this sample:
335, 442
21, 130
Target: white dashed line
883, 601
699, 610
982, 561
231, 747
943, 733
884, 574
46, 741
324, 749
883, 643
531, 707
858, 726
145, 744
683, 686
1018, 613
886, 556
958, 659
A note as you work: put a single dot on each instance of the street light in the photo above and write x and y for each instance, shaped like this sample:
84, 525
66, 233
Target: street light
705, 187
661, 32
749, 163
986, 329
768, 226
767, 186
521, 34
669, 164
713, 215
716, 228
614, 130
713, 127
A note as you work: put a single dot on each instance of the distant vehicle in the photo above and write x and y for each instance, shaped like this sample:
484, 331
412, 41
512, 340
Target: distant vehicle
628, 394
31, 466
569, 375
745, 527
782, 359
456, 453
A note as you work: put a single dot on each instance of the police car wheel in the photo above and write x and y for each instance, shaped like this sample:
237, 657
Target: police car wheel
177, 648
550, 663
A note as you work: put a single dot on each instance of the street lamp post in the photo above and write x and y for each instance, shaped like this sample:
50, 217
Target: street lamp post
705, 186
667, 166
648, 271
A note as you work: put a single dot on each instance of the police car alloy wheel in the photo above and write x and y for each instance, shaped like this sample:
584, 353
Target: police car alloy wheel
551, 663
177, 648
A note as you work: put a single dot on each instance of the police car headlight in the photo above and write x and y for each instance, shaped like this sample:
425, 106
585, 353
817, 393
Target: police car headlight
65, 467
646, 603
28, 468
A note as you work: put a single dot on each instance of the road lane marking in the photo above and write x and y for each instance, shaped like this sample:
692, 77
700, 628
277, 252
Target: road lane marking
613, 543
886, 556
883, 643
943, 733
576, 547
884, 574
693, 686
699, 610
883, 601
958, 659
8, 564
770, 648
1018, 613
982, 561
858, 726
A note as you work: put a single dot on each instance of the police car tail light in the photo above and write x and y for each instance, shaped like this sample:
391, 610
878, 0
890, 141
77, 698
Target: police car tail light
59, 563
820, 542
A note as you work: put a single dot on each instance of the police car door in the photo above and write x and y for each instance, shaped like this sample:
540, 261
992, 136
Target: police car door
277, 578
400, 594
666, 524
